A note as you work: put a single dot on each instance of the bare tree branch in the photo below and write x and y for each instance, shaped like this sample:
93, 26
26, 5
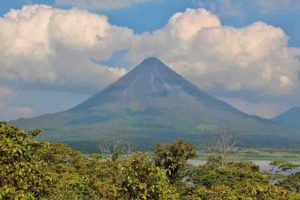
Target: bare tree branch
115, 146
224, 144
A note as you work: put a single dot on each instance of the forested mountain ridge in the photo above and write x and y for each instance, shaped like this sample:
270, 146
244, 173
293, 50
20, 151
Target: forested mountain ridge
290, 118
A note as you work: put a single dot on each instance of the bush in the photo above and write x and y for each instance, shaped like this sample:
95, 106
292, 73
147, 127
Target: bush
229, 176
234, 181
173, 157
291, 182
23, 174
38, 170
134, 178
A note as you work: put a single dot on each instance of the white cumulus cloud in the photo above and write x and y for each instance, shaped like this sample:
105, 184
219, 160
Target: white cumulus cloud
255, 58
59, 47
186, 25
41, 44
50, 47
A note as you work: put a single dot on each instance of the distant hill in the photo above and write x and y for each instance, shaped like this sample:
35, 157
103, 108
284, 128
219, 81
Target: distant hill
290, 118
152, 103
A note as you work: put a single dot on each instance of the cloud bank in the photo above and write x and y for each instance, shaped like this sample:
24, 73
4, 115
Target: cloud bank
66, 49
55, 47
255, 58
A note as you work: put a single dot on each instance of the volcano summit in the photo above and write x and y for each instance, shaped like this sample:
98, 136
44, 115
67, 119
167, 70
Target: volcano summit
150, 103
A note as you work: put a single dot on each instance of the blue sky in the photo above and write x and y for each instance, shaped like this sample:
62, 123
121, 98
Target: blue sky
25, 95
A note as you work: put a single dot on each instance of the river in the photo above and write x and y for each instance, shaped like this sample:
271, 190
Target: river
264, 166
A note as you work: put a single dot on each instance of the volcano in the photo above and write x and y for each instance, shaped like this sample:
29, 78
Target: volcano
148, 104
290, 118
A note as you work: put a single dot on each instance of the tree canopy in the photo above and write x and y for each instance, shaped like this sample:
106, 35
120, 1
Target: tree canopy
31, 169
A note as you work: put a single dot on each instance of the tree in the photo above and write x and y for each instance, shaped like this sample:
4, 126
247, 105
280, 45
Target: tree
37, 170
232, 175
145, 181
233, 181
132, 177
115, 148
173, 157
224, 145
22, 174
291, 182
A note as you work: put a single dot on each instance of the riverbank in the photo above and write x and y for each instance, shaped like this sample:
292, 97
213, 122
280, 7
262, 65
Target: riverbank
259, 154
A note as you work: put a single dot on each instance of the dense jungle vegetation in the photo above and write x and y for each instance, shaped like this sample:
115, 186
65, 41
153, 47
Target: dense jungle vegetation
31, 169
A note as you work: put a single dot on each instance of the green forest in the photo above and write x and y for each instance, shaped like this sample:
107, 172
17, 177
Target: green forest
32, 169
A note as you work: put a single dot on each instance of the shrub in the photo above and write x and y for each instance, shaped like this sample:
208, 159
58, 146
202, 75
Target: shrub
173, 157
23, 174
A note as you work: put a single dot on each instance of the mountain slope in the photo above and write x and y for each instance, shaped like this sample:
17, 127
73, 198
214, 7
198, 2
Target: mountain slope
290, 118
150, 103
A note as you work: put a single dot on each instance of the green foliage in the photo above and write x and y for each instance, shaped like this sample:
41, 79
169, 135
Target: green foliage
23, 174
291, 182
173, 157
38, 170
145, 181
230, 176
62, 159
214, 160
80, 177
209, 128
72, 186
235, 181
246, 191
282, 165
116, 155
132, 178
